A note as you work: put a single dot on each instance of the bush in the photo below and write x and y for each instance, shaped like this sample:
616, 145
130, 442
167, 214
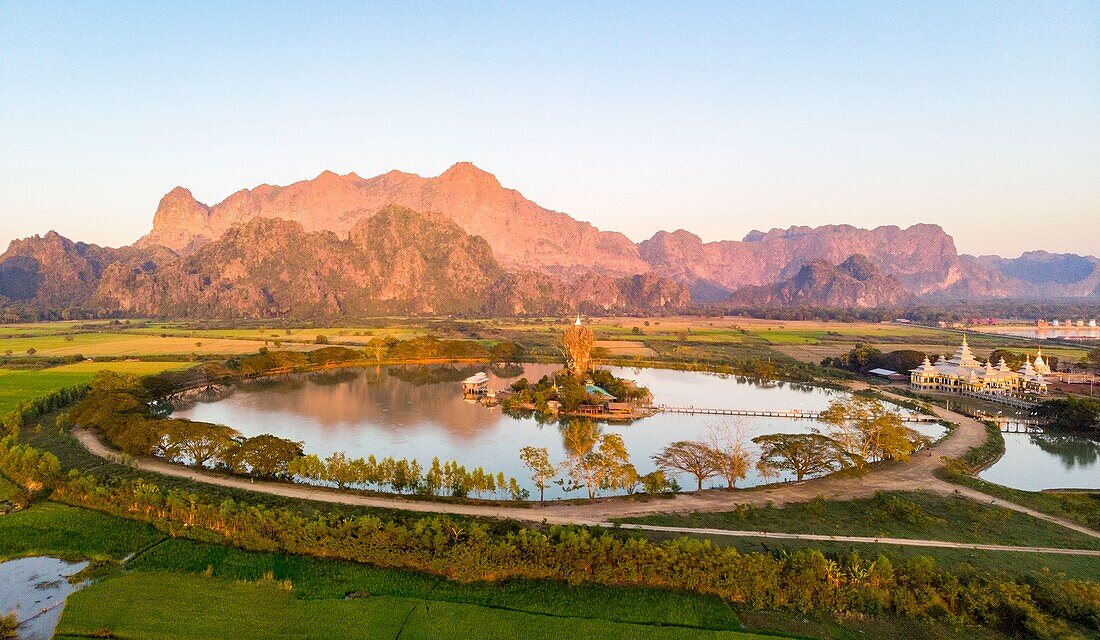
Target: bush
804, 580
332, 355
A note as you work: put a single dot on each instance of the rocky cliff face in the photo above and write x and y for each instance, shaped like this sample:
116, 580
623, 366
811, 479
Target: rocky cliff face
396, 261
520, 233
52, 270
922, 257
856, 282
487, 245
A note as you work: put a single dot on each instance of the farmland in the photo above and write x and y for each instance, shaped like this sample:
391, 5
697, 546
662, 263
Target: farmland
171, 586
18, 385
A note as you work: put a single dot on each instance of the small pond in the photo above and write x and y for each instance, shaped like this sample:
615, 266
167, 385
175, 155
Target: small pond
1047, 460
35, 589
419, 412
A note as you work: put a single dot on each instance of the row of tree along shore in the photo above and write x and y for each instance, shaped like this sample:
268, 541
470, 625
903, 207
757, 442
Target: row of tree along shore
804, 581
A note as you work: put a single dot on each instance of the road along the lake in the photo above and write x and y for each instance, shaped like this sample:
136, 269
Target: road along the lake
915, 475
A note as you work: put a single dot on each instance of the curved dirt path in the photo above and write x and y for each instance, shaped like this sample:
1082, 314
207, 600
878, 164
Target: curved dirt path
915, 475
907, 542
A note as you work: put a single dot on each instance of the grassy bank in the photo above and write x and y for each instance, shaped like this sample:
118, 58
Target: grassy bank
194, 606
1082, 507
895, 515
181, 588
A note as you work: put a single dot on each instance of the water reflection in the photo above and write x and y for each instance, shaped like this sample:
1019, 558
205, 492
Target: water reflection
1073, 451
1047, 460
419, 412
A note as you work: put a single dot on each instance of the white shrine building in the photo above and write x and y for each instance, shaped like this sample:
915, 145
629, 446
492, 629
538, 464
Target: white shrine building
963, 373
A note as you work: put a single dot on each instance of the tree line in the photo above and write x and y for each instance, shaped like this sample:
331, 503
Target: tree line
118, 405
803, 581
1043, 606
407, 476
857, 431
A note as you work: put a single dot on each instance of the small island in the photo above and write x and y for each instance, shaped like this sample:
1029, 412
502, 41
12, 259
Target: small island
579, 389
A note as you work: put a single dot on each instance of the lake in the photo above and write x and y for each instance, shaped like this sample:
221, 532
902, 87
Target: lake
1089, 333
419, 412
1047, 460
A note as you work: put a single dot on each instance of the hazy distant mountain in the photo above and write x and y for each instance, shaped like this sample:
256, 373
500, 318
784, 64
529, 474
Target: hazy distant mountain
923, 257
1060, 274
856, 282
339, 247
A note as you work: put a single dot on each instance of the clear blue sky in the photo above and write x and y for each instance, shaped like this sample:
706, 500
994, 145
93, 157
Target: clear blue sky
981, 117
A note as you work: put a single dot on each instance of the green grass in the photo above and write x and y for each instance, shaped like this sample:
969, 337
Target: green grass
115, 343
1007, 563
896, 515
1082, 507
155, 605
52, 529
323, 578
9, 490
18, 385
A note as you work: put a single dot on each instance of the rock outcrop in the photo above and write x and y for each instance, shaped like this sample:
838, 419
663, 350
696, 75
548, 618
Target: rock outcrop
521, 234
341, 243
397, 261
922, 257
856, 282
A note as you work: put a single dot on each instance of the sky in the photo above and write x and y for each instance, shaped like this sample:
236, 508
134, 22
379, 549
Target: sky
719, 118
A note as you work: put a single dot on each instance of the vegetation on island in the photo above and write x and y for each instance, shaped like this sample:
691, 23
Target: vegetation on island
569, 391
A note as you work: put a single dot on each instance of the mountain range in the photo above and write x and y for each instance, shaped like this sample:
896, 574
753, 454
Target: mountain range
462, 243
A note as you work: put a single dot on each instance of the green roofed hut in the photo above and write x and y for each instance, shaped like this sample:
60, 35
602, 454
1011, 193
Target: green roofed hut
601, 404
597, 391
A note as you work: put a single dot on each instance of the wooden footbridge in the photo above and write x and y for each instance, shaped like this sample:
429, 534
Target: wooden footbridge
1014, 424
793, 414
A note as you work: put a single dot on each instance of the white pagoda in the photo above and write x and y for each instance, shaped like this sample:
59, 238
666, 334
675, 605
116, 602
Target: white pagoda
963, 373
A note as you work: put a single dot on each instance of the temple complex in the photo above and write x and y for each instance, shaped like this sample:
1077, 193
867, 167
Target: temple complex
964, 374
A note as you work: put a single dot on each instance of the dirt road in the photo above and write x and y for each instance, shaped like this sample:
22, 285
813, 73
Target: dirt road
916, 475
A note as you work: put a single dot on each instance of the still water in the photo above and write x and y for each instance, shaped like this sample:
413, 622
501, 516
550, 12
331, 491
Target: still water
1047, 460
1090, 333
34, 589
419, 412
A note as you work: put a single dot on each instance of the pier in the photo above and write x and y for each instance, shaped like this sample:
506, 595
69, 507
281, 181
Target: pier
793, 414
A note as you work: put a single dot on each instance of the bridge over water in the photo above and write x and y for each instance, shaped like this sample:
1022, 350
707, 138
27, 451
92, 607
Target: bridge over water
794, 414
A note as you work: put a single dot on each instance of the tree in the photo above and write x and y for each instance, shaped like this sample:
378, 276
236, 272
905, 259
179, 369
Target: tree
605, 466
1093, 358
537, 460
766, 470
340, 470
308, 467
578, 437
656, 482
615, 471
688, 456
201, 441
507, 352
1074, 413
321, 339
731, 460
902, 360
868, 429
377, 348
266, 455
802, 453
